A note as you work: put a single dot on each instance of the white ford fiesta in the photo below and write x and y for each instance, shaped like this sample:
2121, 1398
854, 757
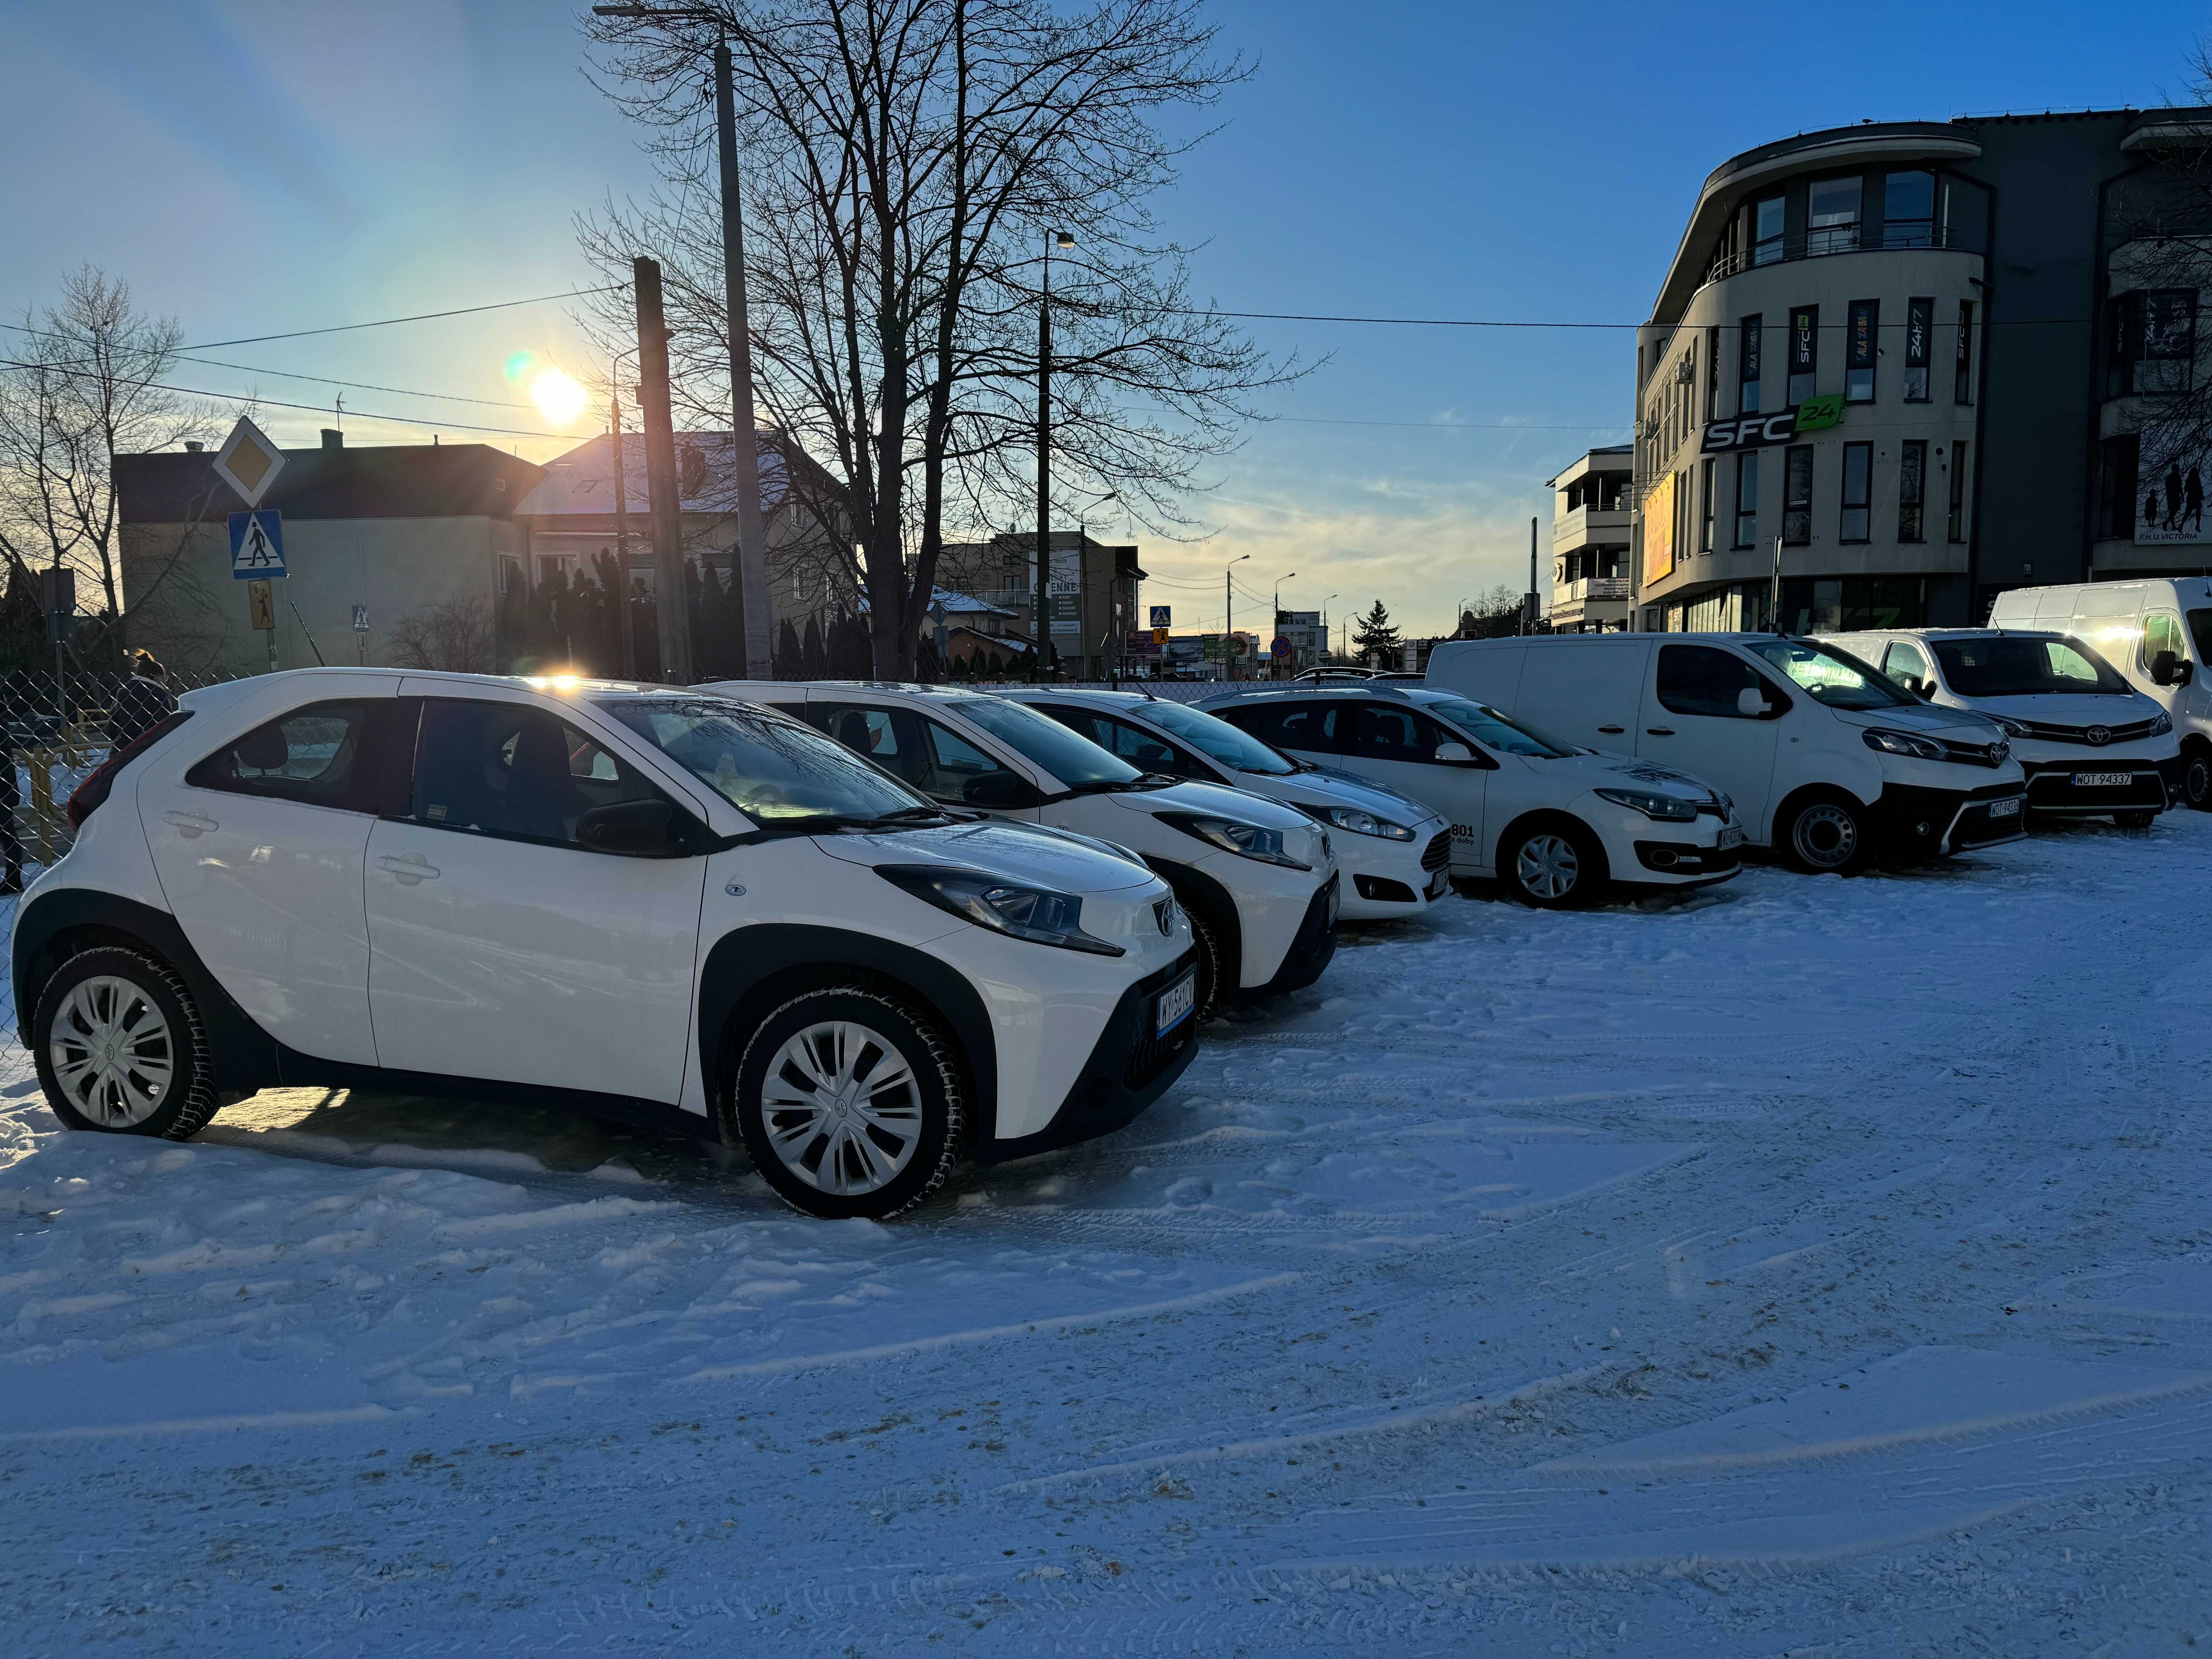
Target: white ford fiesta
656, 905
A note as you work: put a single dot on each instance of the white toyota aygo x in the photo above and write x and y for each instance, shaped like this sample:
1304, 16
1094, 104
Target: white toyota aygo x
652, 904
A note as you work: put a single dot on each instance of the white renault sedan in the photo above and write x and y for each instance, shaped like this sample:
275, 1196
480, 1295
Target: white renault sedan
1396, 851
1558, 825
656, 905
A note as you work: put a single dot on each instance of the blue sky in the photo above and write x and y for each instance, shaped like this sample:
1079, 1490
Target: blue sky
255, 167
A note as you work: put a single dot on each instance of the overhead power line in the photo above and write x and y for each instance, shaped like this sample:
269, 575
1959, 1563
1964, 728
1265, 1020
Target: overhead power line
421, 317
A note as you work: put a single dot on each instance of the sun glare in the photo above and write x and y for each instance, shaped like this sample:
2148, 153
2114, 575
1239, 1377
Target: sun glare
559, 398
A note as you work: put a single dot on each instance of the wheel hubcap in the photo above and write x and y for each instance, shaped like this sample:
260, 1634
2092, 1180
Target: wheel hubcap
112, 1052
1548, 866
843, 1109
1826, 837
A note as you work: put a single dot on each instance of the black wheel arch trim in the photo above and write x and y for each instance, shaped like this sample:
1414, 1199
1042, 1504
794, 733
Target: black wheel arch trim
1196, 890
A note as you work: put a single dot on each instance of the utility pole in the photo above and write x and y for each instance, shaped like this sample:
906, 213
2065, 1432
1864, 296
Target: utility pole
1528, 622
1065, 239
754, 602
669, 596
628, 633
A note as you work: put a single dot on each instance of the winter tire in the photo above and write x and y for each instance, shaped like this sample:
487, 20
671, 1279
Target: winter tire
1828, 836
119, 1046
1554, 866
2196, 777
1202, 935
851, 1103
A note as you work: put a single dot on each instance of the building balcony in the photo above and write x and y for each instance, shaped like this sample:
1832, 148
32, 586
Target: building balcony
1586, 524
1826, 241
1583, 589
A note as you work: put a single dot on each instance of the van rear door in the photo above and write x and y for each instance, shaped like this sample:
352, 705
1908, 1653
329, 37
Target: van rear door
1585, 692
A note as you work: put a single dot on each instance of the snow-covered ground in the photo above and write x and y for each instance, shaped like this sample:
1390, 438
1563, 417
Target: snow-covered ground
1814, 1265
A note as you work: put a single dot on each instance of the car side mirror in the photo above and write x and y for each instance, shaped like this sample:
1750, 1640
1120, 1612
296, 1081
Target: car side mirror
999, 792
631, 829
1751, 702
1454, 754
2162, 667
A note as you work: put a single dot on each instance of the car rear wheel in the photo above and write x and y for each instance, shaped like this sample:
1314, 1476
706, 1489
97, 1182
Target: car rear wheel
851, 1103
119, 1046
1553, 866
1828, 836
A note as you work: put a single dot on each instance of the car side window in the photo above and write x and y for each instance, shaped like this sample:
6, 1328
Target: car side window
1145, 751
1904, 664
1382, 731
320, 756
951, 762
507, 769
1696, 679
1312, 726
2161, 632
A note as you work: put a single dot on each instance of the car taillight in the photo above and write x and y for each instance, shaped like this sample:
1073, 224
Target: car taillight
93, 790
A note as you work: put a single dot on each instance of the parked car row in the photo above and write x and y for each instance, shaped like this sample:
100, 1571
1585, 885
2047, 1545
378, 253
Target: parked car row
868, 931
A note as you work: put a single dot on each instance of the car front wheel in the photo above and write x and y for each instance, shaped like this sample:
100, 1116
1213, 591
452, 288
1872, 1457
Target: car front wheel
2196, 777
1828, 836
1553, 866
851, 1103
119, 1046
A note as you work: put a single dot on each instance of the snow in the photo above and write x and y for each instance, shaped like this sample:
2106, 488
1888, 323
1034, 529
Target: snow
1805, 1266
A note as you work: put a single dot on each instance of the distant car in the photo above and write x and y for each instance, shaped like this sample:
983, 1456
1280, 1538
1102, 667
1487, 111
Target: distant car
1396, 851
2092, 745
653, 904
1558, 826
1258, 880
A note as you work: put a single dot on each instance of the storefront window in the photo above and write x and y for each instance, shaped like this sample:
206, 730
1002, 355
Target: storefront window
1911, 487
1797, 496
1855, 524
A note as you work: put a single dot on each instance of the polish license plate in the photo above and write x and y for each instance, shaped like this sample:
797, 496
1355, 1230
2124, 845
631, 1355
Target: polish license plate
1731, 836
1174, 1004
1439, 882
2103, 780
2005, 809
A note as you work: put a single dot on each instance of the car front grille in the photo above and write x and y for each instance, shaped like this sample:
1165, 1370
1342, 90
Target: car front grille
1438, 852
2128, 734
1977, 754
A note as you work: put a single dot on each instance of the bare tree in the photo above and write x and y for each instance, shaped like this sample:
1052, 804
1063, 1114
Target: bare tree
905, 160
82, 385
455, 637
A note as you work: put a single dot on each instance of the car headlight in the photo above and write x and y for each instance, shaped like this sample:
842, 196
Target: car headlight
2162, 724
1247, 841
1362, 822
1673, 809
1036, 913
2009, 726
1903, 742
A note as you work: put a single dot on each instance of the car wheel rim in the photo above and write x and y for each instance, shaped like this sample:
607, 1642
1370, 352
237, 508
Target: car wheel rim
1548, 866
842, 1108
2199, 781
1826, 837
112, 1052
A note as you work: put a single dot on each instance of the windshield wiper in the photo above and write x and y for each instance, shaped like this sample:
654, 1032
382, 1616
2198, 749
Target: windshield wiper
919, 814
1106, 786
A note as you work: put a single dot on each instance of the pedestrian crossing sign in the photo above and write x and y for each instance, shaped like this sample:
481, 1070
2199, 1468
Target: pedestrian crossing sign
257, 545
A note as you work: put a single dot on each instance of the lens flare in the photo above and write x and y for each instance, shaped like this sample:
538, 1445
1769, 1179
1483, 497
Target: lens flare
518, 365
559, 398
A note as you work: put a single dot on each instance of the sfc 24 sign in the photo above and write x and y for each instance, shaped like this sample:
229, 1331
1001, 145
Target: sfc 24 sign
1757, 431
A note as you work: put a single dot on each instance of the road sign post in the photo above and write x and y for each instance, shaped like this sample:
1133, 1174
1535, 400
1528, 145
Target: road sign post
360, 631
248, 462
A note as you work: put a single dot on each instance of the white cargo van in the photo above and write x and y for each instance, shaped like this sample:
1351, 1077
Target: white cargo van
1826, 760
2157, 633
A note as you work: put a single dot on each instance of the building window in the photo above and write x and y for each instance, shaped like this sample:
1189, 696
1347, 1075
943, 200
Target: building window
1911, 488
1854, 525
1919, 325
1797, 496
1707, 506
1746, 498
2117, 461
1766, 232
1962, 384
2165, 356
1804, 351
1954, 528
1712, 374
1908, 210
1831, 219
1749, 332
1861, 334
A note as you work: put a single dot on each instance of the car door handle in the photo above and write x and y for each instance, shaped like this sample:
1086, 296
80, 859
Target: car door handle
1659, 730
1615, 731
410, 869
192, 823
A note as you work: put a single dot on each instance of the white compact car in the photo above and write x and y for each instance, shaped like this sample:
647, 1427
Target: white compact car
662, 906
1396, 851
1258, 880
2091, 746
1556, 825
1826, 762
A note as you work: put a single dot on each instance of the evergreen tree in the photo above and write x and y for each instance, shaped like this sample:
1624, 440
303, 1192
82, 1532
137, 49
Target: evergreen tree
1372, 634
790, 665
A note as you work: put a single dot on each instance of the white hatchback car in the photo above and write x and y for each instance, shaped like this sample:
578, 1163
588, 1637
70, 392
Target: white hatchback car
661, 906
1259, 880
1556, 825
1396, 850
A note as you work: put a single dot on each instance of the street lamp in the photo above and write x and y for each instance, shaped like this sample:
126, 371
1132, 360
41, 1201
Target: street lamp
744, 442
1229, 615
1063, 239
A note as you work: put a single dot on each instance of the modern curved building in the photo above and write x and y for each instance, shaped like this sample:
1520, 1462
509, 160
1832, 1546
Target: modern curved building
1883, 364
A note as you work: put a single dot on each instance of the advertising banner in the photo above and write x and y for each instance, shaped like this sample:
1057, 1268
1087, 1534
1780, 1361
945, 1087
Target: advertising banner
1659, 531
2170, 501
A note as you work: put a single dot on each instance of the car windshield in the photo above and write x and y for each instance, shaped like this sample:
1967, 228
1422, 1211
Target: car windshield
1077, 762
2018, 667
771, 768
1834, 678
1493, 728
1217, 738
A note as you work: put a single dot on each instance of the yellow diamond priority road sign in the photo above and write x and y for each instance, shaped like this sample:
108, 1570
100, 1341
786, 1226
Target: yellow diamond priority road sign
248, 461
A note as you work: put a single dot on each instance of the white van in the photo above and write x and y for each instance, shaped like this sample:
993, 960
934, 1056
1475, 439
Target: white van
1826, 760
2157, 633
2091, 745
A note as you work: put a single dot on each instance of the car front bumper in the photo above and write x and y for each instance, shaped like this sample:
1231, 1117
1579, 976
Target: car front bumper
2151, 786
1384, 878
1913, 821
1311, 947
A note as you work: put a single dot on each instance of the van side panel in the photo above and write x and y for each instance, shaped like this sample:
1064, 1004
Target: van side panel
1488, 671
1588, 692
